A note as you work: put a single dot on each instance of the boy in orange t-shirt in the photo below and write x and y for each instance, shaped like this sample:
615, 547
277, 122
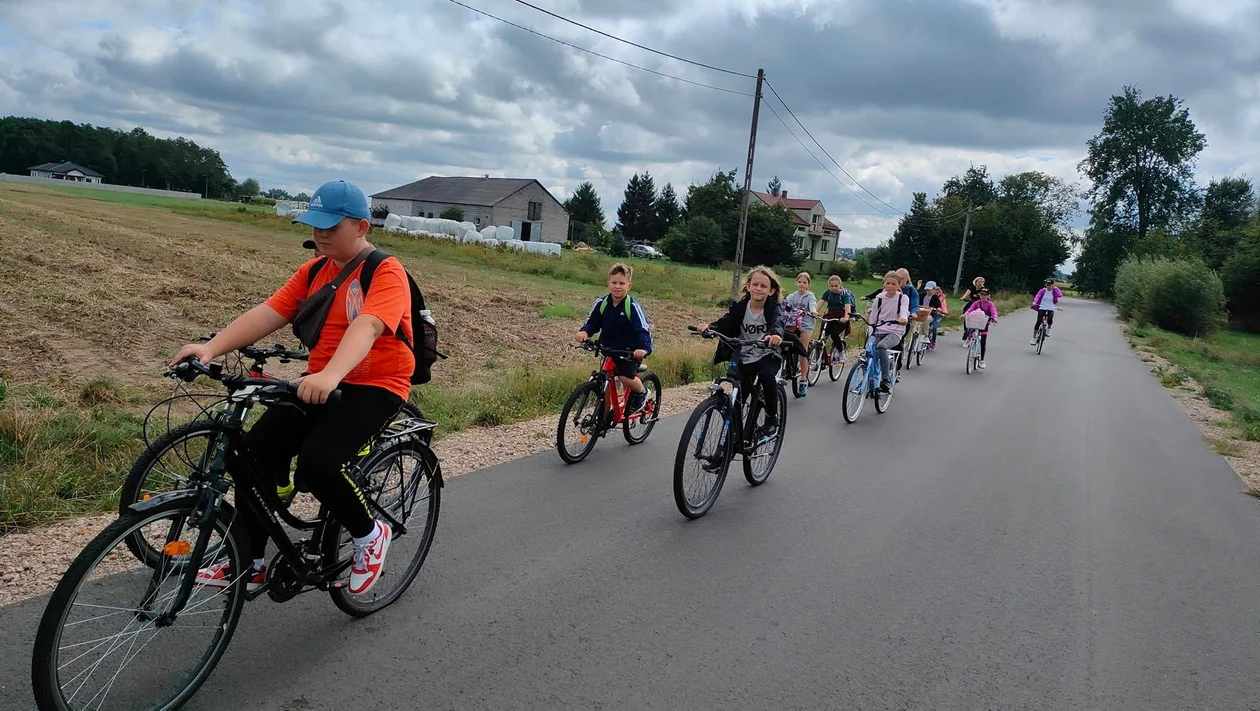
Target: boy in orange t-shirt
358, 352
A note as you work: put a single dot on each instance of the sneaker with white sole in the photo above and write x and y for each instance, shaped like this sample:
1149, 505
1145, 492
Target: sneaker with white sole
1033, 342
216, 576
982, 365
369, 560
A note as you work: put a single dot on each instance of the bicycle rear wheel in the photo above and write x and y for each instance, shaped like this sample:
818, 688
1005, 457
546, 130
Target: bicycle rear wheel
910, 349
105, 615
404, 478
1041, 337
760, 460
637, 428
854, 392
707, 463
585, 411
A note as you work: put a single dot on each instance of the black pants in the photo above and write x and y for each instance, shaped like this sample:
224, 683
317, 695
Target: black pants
1049, 321
764, 372
323, 438
837, 330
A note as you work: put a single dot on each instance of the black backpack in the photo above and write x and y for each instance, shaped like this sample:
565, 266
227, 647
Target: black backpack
424, 348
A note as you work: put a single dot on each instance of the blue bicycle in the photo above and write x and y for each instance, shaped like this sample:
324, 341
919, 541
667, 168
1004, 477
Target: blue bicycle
864, 377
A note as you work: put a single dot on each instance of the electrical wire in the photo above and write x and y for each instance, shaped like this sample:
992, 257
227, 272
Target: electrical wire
635, 44
597, 54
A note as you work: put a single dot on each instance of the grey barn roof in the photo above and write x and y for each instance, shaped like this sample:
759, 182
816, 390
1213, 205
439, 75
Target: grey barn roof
66, 167
485, 192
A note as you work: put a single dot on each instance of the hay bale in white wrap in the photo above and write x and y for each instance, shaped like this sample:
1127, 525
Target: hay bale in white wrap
490, 243
392, 220
505, 234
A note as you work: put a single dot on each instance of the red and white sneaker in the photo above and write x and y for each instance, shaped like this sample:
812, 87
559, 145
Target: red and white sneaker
216, 576
369, 560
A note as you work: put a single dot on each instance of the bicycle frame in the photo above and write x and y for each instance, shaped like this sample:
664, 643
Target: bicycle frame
614, 400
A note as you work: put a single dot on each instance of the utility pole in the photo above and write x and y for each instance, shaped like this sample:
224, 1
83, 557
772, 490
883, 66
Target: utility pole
743, 210
963, 249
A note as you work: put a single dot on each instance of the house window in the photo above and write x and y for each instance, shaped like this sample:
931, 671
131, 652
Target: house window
535, 211
824, 246
430, 214
476, 220
817, 218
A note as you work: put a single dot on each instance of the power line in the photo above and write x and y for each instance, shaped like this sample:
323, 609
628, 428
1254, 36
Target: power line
823, 165
635, 44
601, 56
824, 150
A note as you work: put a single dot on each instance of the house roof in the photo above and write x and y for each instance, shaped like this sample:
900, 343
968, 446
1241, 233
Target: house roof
66, 167
789, 203
829, 225
483, 192
799, 221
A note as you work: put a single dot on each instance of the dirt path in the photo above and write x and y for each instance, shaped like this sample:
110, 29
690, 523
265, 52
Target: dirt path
33, 560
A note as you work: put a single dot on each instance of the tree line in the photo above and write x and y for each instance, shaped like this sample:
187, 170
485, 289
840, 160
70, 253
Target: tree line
1145, 206
134, 157
702, 229
1019, 231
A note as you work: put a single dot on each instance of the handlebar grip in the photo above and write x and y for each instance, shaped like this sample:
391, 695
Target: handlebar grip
334, 397
693, 329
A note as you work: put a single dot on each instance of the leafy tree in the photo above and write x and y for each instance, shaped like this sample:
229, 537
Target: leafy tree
247, 189
277, 194
1241, 274
302, 197
586, 214
718, 199
1229, 206
974, 186
862, 265
636, 217
775, 187
1141, 168
452, 213
770, 237
696, 240
667, 210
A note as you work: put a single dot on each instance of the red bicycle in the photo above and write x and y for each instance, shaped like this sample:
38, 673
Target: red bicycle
597, 406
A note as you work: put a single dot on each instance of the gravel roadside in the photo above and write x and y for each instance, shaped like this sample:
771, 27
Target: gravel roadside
32, 561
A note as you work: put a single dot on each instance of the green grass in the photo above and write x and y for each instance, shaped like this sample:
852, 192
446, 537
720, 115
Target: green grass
559, 311
1227, 367
173, 204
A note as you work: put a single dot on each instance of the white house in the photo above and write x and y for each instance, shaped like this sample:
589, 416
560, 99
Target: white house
67, 171
813, 230
521, 203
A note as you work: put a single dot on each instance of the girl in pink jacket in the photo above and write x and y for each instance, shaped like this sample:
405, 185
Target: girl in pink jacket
986, 305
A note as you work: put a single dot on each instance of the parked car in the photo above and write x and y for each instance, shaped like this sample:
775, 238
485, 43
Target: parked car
645, 251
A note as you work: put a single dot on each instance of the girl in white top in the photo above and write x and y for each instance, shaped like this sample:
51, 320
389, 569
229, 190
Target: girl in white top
890, 310
801, 305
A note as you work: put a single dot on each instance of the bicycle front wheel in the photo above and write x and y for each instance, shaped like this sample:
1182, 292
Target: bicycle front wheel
636, 428
580, 423
836, 368
104, 640
702, 460
404, 478
854, 392
760, 458
1041, 337
815, 364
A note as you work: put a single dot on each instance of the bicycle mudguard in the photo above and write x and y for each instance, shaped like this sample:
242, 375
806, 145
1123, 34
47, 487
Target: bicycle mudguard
155, 501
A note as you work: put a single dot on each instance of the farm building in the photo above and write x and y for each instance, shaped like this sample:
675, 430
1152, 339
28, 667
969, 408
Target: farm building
522, 203
67, 171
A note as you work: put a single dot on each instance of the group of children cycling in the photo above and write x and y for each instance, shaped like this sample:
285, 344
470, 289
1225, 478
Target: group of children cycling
787, 323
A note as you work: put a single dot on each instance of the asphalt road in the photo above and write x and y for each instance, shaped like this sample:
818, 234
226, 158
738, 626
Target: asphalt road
1049, 533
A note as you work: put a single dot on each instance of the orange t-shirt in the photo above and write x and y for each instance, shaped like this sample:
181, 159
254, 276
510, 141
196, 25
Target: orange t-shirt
390, 362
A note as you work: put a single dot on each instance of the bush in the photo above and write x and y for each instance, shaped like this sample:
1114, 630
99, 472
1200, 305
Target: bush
1240, 276
1182, 296
842, 268
453, 213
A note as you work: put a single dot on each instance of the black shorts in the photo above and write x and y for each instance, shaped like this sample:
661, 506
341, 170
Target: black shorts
627, 367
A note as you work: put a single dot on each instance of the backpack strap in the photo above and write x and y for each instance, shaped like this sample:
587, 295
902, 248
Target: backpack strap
314, 272
365, 280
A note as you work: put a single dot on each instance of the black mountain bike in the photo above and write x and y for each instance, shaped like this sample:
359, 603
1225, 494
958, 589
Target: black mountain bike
726, 428
824, 354
112, 606
1042, 329
171, 458
607, 408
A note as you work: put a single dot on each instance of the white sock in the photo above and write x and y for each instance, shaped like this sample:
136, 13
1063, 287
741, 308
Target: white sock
259, 562
367, 540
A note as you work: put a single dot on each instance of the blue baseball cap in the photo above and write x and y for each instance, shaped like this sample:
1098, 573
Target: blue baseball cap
332, 202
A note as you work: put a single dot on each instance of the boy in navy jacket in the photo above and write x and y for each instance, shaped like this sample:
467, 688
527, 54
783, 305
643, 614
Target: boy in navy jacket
625, 327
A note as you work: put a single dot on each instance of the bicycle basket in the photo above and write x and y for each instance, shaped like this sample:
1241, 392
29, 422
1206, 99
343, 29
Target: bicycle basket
977, 320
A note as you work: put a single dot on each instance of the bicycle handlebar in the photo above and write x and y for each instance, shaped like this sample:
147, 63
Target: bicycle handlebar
262, 354
876, 325
280, 390
732, 342
596, 347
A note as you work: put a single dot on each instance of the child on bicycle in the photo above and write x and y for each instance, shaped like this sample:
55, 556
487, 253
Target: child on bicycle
887, 315
940, 309
799, 307
985, 304
1043, 305
625, 327
358, 353
839, 305
755, 317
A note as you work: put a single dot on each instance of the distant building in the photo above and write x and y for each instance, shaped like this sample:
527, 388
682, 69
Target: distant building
67, 171
520, 203
814, 232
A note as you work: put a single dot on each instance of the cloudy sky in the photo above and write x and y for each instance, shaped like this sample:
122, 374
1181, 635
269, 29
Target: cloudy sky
902, 93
